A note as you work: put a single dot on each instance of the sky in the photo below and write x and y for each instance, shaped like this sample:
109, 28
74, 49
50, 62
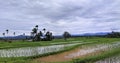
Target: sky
57, 16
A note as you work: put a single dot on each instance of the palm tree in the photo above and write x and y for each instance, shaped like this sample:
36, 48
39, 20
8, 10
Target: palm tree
44, 30
4, 34
34, 30
7, 31
34, 33
36, 27
41, 34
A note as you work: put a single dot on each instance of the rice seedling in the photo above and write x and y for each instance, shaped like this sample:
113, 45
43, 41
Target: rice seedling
33, 51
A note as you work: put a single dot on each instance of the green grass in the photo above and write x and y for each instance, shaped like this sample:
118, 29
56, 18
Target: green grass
18, 44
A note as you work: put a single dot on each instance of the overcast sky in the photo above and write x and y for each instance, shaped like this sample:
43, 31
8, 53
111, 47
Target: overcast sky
74, 16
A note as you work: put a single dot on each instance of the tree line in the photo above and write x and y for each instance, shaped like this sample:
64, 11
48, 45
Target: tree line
113, 35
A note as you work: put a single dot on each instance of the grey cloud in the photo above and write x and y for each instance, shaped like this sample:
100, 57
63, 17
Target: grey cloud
75, 16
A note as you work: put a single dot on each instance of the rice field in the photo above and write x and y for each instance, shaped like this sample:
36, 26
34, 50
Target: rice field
93, 49
81, 52
33, 51
88, 47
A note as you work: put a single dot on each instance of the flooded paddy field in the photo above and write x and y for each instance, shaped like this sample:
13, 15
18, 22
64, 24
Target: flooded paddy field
25, 53
32, 51
79, 52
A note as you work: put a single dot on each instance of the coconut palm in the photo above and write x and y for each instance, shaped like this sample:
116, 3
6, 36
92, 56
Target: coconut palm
4, 34
41, 34
36, 27
7, 31
34, 33
34, 30
44, 30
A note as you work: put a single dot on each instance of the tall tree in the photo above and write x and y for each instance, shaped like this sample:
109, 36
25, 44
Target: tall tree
34, 30
41, 34
44, 30
7, 31
47, 35
4, 34
36, 27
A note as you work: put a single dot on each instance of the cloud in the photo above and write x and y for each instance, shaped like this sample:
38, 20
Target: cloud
75, 16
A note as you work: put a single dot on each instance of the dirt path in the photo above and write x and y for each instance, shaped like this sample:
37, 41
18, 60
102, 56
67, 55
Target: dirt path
65, 56
58, 57
79, 52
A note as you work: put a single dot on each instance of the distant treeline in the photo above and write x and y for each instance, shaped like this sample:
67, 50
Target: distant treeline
108, 35
113, 35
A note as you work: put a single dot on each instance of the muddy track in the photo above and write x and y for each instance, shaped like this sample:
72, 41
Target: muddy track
66, 56
76, 53
58, 57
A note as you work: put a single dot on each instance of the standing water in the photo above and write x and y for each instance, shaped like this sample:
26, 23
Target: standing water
32, 51
93, 49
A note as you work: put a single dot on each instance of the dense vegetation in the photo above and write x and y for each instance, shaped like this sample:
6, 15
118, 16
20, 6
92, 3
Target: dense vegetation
114, 35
